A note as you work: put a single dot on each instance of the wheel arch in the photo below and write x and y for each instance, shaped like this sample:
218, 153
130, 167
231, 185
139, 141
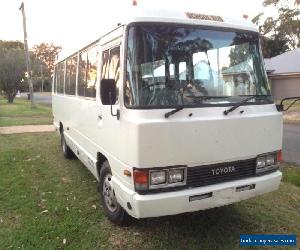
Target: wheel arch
61, 127
101, 158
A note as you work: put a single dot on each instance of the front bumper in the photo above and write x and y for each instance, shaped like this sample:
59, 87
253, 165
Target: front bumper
169, 203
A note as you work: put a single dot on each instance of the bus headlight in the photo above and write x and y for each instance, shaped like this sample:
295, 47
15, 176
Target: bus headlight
176, 175
150, 179
266, 163
169, 177
158, 177
260, 162
270, 160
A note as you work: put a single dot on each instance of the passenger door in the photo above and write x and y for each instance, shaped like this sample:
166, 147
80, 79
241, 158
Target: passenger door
110, 69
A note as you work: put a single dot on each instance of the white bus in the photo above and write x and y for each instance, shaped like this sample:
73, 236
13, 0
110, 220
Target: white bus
172, 113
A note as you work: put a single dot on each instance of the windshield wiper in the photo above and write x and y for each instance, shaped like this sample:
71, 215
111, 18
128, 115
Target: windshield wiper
172, 112
207, 97
249, 98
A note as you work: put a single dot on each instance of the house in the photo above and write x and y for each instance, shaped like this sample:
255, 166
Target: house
284, 74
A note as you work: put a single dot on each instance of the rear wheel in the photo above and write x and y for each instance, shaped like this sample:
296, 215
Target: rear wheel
68, 153
112, 208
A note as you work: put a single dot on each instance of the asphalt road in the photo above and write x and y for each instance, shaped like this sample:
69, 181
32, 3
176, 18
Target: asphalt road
291, 143
39, 98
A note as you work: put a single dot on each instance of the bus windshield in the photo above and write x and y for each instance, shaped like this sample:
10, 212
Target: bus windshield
171, 66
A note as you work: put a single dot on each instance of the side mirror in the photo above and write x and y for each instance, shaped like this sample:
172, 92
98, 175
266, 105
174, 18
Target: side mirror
108, 94
280, 107
108, 91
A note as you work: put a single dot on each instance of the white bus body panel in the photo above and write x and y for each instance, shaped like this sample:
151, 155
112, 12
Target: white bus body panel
207, 137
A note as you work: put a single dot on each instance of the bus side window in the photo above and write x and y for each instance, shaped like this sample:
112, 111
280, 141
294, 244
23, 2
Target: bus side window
114, 69
111, 67
70, 86
91, 76
104, 70
81, 89
60, 77
55, 80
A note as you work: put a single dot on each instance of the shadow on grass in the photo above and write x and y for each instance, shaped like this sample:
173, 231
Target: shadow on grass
217, 228
208, 229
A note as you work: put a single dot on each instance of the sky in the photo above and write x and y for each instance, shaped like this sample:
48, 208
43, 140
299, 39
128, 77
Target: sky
74, 24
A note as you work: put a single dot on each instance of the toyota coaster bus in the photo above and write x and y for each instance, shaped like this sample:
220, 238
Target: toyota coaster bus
172, 113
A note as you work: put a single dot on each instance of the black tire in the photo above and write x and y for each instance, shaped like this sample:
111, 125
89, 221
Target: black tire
68, 153
114, 212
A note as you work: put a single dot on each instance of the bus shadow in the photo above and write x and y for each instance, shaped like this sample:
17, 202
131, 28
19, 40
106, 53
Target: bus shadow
211, 228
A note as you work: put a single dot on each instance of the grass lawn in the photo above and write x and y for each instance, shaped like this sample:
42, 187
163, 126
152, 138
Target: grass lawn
45, 199
20, 113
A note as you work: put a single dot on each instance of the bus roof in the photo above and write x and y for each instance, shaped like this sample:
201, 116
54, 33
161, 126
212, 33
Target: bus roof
138, 14
188, 17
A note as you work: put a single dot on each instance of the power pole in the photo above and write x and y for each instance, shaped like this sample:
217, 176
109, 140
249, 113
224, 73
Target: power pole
27, 56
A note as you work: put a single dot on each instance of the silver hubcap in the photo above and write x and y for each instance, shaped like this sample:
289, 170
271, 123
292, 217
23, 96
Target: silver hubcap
108, 194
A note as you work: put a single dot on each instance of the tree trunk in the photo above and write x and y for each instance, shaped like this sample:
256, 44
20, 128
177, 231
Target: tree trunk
10, 98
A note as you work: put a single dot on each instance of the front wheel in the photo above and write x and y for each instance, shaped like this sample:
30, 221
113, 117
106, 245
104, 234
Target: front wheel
112, 208
68, 153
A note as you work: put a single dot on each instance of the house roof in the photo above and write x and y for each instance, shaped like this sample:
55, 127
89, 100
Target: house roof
238, 69
286, 63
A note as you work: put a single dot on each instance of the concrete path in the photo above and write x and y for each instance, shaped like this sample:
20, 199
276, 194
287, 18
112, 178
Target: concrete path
26, 129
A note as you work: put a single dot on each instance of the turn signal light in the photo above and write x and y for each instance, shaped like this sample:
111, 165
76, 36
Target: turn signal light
140, 178
279, 156
127, 173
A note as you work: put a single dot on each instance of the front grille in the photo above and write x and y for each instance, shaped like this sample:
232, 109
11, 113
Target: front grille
203, 175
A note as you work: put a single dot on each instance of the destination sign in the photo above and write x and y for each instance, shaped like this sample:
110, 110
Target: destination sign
204, 17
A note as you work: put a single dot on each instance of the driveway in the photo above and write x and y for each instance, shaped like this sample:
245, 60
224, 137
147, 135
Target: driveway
291, 143
43, 98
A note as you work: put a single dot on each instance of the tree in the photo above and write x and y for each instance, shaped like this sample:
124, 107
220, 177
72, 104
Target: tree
12, 68
239, 54
281, 33
274, 46
43, 64
46, 53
